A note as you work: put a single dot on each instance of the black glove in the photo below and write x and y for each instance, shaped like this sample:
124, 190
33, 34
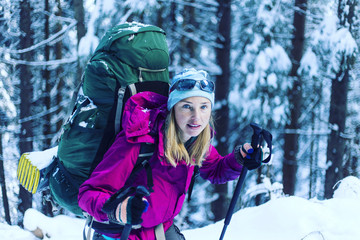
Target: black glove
130, 210
247, 157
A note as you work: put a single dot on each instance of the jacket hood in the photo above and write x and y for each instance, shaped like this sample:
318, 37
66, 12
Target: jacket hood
144, 116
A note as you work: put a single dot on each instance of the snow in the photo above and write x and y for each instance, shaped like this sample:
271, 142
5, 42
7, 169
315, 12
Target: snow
89, 42
6, 105
42, 159
283, 218
344, 42
140, 5
309, 64
339, 41
57, 228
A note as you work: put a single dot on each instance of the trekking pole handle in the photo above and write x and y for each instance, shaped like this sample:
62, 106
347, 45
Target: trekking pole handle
255, 139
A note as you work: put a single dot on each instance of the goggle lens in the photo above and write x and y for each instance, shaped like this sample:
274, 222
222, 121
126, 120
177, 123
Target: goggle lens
188, 84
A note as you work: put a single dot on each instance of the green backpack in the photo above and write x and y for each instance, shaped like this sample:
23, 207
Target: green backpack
130, 58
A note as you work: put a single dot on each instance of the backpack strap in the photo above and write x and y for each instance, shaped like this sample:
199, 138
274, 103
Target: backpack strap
146, 152
193, 178
121, 99
119, 107
142, 162
70, 178
89, 222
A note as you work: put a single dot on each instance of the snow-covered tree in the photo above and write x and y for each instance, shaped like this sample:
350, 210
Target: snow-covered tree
342, 59
261, 63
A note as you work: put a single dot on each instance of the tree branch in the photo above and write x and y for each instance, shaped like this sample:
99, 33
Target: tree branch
51, 40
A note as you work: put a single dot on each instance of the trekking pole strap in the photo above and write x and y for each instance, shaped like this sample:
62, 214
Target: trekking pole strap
257, 138
268, 139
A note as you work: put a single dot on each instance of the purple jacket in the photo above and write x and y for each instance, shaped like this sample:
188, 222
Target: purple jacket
144, 116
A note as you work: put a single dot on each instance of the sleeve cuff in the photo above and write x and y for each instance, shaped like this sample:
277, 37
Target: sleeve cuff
238, 156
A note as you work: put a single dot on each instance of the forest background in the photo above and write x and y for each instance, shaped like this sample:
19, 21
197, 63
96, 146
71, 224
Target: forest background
290, 66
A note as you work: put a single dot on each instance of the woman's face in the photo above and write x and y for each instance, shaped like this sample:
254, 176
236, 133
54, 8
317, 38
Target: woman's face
192, 115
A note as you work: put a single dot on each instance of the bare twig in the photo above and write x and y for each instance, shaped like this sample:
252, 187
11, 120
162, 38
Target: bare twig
314, 232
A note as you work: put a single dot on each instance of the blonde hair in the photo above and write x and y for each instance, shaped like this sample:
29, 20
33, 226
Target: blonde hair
175, 150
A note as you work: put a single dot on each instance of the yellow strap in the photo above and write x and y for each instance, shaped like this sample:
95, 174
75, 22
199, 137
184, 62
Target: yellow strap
21, 166
28, 174
37, 181
32, 177
24, 172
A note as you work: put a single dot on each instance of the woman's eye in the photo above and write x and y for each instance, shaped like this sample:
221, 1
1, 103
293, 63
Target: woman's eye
204, 106
186, 106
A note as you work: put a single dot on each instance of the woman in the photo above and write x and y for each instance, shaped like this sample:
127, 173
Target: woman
180, 127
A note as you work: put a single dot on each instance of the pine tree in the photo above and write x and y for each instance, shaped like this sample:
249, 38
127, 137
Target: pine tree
339, 93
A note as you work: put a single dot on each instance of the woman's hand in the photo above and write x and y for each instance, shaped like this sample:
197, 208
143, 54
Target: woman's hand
246, 156
130, 210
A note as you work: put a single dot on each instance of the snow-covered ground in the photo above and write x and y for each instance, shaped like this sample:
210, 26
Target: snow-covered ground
285, 218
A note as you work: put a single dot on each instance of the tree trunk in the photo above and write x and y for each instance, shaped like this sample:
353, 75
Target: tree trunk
46, 78
46, 206
59, 70
336, 143
295, 100
79, 14
3, 123
188, 46
220, 206
338, 108
173, 24
355, 158
3, 185
26, 96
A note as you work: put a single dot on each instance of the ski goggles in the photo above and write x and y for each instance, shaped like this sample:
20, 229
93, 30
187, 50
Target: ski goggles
188, 84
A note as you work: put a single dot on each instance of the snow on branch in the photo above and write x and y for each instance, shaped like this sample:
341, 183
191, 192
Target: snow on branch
43, 113
195, 38
39, 63
199, 4
307, 132
51, 40
311, 132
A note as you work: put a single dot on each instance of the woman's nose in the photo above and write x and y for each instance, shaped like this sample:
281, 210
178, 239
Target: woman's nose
196, 113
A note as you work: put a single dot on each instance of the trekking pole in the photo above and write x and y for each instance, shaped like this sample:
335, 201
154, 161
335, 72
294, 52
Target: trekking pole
126, 232
255, 140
